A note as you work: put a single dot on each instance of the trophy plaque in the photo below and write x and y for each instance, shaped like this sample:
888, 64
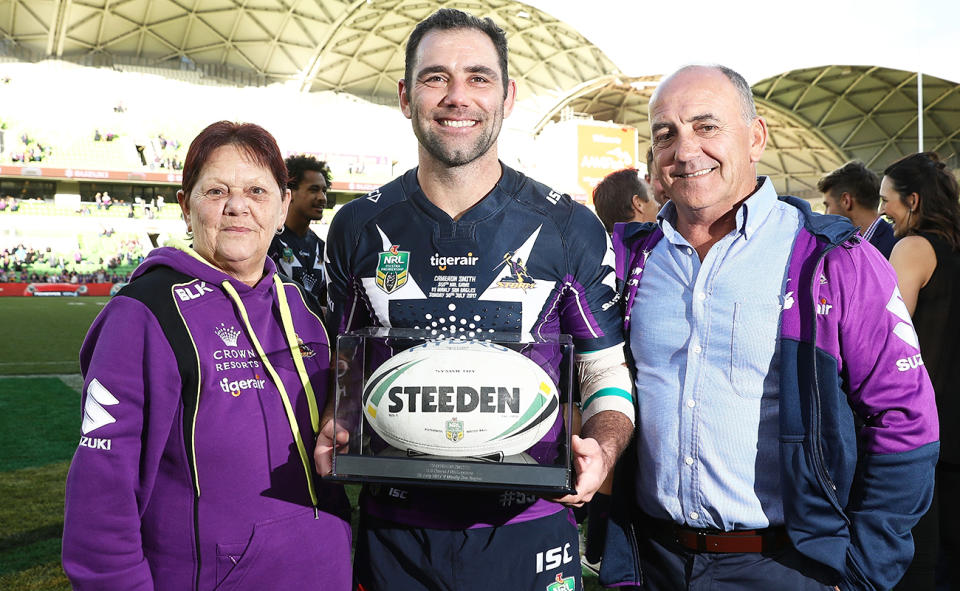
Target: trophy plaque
484, 413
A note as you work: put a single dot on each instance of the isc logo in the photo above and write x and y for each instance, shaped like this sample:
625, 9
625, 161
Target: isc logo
553, 558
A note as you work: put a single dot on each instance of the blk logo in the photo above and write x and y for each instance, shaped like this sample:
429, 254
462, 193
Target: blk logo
192, 292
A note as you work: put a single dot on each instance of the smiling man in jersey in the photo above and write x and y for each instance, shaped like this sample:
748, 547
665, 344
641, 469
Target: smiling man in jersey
528, 260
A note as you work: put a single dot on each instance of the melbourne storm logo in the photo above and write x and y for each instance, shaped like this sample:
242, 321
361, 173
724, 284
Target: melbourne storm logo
392, 269
517, 278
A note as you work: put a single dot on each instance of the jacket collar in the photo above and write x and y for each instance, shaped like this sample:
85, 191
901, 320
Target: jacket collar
832, 229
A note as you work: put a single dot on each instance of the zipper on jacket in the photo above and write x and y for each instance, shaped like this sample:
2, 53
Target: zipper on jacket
826, 482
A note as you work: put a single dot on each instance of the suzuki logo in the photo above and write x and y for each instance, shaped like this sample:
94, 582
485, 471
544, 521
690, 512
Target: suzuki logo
904, 330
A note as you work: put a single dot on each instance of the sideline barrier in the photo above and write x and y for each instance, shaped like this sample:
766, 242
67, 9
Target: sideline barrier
55, 289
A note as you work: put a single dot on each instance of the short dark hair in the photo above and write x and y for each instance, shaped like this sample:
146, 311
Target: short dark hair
448, 19
613, 196
938, 211
297, 166
254, 141
855, 178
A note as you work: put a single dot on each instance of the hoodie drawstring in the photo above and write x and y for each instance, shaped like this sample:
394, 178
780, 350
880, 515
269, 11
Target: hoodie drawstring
293, 346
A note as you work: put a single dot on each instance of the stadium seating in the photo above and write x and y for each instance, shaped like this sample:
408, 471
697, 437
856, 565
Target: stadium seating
65, 106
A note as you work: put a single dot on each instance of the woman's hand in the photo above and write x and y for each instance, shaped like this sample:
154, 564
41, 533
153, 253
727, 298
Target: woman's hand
327, 439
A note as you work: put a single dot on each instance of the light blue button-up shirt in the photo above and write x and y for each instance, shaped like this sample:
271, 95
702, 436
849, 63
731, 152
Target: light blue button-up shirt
704, 339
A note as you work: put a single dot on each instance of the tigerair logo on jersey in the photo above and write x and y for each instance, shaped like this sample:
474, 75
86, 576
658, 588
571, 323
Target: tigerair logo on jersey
392, 269
192, 292
441, 262
236, 387
95, 415
823, 307
518, 277
904, 331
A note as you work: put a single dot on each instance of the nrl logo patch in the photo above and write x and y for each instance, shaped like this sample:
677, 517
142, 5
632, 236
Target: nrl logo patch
563, 584
454, 430
392, 269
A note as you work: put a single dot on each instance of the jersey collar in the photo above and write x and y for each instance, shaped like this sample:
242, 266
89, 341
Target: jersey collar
507, 186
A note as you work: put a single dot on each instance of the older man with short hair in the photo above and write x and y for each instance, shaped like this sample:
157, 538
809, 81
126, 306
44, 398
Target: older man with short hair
781, 442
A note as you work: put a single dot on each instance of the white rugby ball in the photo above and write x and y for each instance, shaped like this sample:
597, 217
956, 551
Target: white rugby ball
460, 399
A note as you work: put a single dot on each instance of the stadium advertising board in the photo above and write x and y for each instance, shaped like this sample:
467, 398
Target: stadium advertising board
55, 289
82, 174
603, 148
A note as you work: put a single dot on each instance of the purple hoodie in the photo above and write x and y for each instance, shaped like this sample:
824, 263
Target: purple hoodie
189, 474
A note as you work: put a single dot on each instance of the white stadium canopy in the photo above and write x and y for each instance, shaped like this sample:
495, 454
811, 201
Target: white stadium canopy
819, 116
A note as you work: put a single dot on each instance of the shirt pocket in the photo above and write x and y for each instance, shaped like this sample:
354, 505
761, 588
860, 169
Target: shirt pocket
754, 345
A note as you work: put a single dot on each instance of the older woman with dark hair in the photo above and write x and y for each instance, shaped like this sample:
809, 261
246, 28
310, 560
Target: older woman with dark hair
203, 383
922, 198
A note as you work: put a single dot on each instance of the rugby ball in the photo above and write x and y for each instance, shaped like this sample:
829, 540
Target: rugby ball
460, 399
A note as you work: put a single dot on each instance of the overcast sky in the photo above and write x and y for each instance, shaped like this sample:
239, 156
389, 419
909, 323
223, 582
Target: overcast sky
763, 38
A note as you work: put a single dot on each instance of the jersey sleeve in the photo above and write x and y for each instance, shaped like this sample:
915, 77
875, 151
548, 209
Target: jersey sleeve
130, 397
590, 314
345, 309
589, 311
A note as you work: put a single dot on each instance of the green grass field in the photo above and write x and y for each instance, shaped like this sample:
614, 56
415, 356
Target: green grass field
42, 335
39, 429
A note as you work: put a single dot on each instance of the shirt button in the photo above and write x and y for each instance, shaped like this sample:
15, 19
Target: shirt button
689, 250
691, 403
697, 349
688, 461
694, 515
701, 296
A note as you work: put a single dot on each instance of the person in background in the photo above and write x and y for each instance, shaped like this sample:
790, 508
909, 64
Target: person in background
653, 180
297, 250
921, 196
781, 442
203, 384
529, 259
853, 191
622, 197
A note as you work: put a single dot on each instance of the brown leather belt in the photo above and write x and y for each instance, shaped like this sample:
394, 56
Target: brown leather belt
771, 539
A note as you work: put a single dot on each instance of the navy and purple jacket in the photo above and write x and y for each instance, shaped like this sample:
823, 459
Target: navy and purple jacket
858, 422
189, 473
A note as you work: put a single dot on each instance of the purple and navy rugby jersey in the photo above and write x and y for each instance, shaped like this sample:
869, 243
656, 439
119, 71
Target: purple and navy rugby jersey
525, 260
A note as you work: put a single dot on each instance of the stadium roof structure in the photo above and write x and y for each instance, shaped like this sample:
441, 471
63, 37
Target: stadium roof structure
353, 46
818, 118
